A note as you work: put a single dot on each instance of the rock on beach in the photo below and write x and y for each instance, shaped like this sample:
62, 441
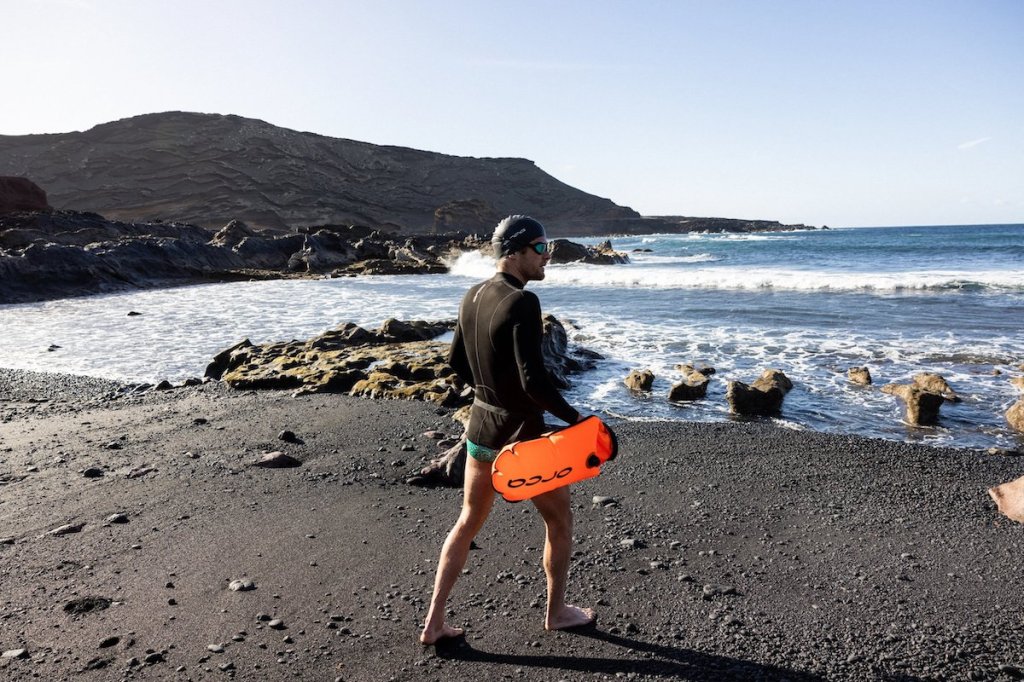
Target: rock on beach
1009, 498
762, 398
922, 407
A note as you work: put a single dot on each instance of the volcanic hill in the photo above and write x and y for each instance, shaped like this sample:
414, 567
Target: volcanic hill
208, 169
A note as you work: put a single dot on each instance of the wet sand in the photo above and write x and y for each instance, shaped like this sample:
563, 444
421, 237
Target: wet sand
729, 551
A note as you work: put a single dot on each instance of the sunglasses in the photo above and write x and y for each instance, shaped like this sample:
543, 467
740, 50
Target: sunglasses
540, 248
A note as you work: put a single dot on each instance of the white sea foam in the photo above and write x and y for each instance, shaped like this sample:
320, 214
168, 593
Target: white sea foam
472, 264
751, 279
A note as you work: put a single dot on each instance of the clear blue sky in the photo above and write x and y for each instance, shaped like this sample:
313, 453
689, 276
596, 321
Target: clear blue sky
839, 113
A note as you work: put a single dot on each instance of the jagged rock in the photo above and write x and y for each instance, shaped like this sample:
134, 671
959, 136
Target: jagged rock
1009, 498
1018, 382
232, 234
558, 360
933, 383
762, 398
1015, 415
224, 359
565, 251
21, 194
922, 406
639, 380
323, 252
269, 252
859, 375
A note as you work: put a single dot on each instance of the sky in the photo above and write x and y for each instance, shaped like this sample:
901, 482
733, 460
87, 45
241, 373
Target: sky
821, 112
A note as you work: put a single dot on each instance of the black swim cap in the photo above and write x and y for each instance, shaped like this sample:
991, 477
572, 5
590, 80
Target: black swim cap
514, 233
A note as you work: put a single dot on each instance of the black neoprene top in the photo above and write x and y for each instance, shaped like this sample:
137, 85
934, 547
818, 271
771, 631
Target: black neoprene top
497, 350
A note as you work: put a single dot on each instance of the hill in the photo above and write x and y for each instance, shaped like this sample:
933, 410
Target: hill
208, 169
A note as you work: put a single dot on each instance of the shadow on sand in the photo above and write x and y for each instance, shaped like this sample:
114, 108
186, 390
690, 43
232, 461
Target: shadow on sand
669, 662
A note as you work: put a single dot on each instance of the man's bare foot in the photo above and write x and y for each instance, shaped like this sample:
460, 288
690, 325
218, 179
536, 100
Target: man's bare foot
428, 637
570, 617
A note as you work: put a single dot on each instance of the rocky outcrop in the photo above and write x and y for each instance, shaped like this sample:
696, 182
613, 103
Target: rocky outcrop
1017, 382
50, 255
21, 194
762, 398
1009, 498
398, 361
565, 251
639, 380
62, 253
859, 375
922, 407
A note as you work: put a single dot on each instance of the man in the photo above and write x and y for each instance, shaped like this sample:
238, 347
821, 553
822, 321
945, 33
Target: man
497, 350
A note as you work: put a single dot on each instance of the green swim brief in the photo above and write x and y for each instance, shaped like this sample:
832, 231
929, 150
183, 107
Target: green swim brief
480, 453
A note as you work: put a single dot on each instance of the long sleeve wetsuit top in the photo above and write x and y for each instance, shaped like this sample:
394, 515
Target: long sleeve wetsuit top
497, 350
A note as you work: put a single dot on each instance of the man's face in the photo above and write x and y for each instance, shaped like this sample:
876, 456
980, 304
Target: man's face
532, 263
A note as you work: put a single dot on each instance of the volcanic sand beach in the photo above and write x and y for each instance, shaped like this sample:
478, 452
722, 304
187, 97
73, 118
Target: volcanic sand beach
730, 550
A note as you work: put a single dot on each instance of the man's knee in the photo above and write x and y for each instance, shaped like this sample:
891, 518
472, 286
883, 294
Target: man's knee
559, 525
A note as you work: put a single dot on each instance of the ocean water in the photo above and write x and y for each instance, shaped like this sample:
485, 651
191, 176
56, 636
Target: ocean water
813, 304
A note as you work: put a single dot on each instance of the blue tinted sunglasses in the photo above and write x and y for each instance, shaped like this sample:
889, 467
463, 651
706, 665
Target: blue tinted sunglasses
540, 248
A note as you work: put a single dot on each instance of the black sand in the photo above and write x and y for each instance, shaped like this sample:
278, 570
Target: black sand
731, 551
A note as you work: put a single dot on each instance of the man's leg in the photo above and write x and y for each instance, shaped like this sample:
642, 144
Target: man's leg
477, 500
554, 508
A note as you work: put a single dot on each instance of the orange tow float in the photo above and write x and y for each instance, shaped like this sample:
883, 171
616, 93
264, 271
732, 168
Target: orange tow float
531, 467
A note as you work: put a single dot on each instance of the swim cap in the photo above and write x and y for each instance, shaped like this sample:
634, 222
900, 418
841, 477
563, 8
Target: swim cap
515, 232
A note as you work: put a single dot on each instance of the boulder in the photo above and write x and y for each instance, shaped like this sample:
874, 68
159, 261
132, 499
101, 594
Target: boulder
393, 330
922, 406
693, 386
21, 194
859, 375
565, 251
762, 398
1018, 382
933, 383
1015, 415
639, 380
1009, 498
